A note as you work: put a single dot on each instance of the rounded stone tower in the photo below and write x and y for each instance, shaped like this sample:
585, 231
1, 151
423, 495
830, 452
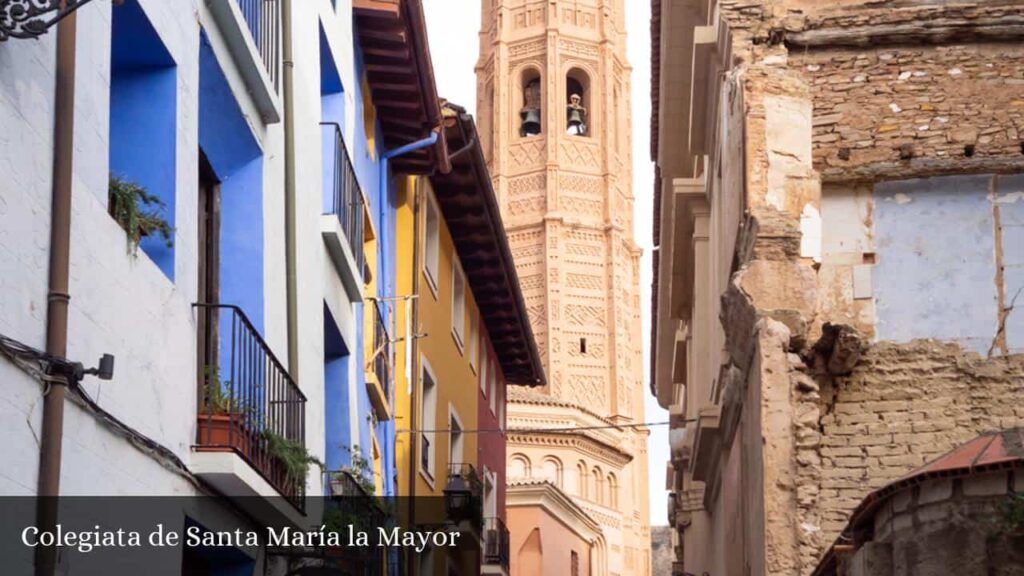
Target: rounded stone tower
553, 108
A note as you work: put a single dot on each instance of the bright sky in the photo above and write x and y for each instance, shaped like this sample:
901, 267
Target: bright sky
452, 26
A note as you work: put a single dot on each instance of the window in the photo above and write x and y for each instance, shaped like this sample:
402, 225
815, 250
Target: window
458, 304
428, 416
501, 411
613, 491
492, 392
574, 564
577, 101
431, 242
455, 438
143, 134
530, 105
474, 344
369, 118
483, 368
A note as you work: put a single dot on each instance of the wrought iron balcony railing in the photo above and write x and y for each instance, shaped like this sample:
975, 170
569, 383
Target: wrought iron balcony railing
263, 18
382, 351
496, 542
463, 495
346, 197
248, 402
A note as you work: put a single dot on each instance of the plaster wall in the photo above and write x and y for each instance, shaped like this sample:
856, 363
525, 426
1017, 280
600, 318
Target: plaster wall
547, 546
125, 304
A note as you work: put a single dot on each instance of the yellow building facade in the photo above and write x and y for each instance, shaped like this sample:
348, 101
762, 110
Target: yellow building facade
441, 366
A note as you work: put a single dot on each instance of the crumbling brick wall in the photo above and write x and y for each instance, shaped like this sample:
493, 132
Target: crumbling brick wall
894, 109
902, 406
890, 108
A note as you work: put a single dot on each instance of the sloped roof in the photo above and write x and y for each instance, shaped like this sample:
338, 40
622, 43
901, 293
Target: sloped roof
991, 452
396, 55
470, 208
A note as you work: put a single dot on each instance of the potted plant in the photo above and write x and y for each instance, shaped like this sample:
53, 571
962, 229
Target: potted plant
222, 417
138, 212
360, 472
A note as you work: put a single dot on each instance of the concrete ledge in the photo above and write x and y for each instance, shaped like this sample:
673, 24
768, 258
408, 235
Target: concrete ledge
233, 477
243, 49
342, 257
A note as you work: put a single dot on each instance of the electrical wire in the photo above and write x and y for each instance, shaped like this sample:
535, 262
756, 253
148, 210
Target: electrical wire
36, 364
564, 430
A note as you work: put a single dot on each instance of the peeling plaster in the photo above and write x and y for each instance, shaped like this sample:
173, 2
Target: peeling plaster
810, 233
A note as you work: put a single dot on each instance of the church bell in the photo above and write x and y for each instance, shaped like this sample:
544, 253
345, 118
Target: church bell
576, 121
531, 121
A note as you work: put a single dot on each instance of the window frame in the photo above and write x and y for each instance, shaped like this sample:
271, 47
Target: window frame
431, 242
458, 305
429, 473
474, 339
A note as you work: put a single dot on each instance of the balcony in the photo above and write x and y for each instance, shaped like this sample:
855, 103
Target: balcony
351, 502
378, 376
463, 495
343, 224
252, 31
496, 544
249, 409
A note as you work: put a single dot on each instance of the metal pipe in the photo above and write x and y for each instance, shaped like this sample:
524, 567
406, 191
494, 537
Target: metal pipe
51, 440
291, 284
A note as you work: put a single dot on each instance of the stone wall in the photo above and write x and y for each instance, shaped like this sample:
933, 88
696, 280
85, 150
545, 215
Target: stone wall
903, 406
891, 105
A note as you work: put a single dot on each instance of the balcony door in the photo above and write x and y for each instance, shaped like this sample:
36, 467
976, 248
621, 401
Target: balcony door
209, 271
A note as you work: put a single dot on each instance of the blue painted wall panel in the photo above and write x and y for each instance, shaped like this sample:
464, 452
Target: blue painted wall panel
236, 158
143, 118
936, 261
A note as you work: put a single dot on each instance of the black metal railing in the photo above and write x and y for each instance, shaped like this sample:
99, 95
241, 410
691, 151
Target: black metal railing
263, 18
350, 506
382, 351
496, 542
346, 197
463, 495
248, 402
343, 483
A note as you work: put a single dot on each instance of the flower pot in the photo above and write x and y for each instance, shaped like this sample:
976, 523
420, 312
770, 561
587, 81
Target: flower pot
221, 432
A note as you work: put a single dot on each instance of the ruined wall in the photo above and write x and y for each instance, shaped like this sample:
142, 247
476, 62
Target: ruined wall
901, 407
876, 110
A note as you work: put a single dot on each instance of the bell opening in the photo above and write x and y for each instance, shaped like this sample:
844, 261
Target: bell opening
530, 113
576, 103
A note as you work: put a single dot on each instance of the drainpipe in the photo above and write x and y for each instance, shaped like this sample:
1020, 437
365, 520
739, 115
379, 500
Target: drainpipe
382, 189
291, 289
57, 296
382, 199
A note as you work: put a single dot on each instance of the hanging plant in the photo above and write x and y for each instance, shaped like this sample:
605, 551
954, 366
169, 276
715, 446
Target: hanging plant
293, 455
138, 212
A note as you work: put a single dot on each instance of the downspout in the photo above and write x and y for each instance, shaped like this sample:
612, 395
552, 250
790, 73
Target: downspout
385, 177
291, 288
382, 198
57, 296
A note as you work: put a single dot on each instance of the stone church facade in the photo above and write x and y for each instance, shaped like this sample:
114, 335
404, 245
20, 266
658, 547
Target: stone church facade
553, 100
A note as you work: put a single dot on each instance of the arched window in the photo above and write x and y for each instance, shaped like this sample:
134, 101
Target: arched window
613, 491
598, 486
577, 103
552, 470
581, 479
519, 466
530, 104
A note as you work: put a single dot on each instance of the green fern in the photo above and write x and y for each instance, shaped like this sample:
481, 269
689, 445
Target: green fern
138, 212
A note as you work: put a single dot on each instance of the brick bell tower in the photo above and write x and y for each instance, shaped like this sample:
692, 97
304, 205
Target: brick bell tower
553, 110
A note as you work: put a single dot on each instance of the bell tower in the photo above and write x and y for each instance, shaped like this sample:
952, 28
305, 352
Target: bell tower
553, 110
